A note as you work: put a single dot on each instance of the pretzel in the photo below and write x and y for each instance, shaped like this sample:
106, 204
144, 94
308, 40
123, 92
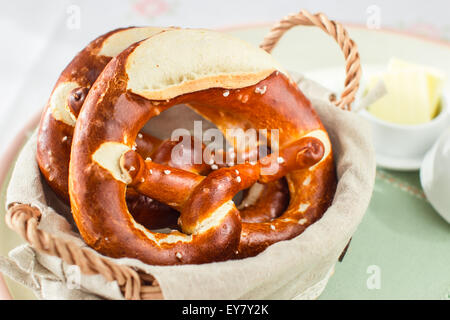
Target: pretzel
56, 130
225, 80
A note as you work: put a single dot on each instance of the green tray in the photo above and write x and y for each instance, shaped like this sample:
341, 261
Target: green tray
401, 250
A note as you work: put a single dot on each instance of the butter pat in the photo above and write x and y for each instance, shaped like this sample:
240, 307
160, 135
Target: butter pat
413, 93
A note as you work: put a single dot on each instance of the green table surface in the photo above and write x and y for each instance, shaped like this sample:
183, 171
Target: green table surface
401, 249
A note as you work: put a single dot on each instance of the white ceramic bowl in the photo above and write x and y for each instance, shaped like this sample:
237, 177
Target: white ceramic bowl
403, 147
435, 175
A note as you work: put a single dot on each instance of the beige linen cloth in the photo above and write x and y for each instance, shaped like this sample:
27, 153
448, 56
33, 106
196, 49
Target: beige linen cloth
294, 269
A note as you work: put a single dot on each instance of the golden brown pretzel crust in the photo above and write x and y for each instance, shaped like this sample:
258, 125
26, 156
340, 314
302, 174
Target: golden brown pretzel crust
98, 197
55, 136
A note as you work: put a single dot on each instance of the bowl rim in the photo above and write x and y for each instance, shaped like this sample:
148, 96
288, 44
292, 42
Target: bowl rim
442, 116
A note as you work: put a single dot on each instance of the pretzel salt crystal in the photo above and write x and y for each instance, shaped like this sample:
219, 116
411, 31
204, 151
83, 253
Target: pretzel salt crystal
195, 67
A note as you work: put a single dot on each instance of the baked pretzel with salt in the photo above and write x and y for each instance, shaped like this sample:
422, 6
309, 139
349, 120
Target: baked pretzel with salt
58, 121
225, 80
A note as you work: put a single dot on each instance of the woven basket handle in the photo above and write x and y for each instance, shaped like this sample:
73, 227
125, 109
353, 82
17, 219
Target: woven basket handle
335, 30
24, 219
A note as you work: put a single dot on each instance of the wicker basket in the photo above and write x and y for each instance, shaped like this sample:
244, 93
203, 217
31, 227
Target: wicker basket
24, 219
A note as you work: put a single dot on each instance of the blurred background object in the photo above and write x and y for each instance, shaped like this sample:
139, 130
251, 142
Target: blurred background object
435, 175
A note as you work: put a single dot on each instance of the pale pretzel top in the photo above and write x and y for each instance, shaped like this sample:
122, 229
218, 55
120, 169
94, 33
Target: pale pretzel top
180, 61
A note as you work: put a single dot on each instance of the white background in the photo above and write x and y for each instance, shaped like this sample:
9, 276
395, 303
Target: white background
39, 37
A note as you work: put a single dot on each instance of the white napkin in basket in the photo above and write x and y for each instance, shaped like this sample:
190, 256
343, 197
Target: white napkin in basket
298, 268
